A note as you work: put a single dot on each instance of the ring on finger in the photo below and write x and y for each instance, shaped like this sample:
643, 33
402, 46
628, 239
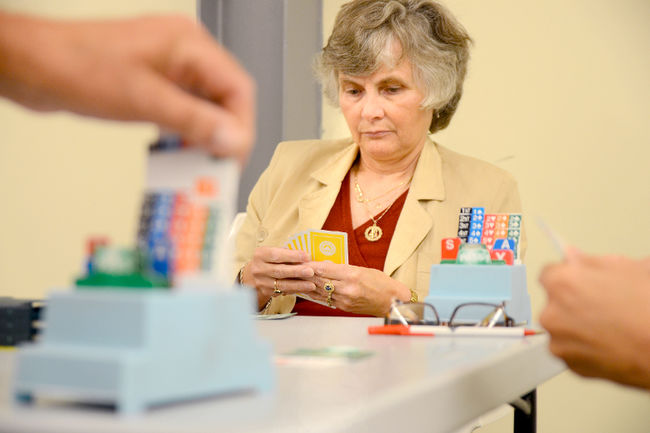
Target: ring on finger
329, 288
276, 289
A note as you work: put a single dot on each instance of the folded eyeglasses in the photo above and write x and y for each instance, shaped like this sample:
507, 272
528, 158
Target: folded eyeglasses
467, 314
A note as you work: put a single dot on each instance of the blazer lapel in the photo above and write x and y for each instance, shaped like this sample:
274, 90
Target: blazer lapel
314, 207
415, 222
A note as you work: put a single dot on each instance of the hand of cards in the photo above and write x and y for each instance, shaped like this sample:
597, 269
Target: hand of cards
321, 245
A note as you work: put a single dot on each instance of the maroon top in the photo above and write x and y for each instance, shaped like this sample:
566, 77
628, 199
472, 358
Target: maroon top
361, 252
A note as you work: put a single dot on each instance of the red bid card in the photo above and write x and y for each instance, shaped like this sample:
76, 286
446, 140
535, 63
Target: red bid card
449, 248
506, 255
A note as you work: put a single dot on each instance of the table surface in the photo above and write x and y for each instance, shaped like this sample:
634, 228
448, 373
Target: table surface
424, 384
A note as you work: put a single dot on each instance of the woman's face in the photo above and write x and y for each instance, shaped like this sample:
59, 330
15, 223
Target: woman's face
383, 112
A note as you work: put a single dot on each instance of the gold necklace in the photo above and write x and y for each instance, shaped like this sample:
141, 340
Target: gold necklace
361, 198
374, 232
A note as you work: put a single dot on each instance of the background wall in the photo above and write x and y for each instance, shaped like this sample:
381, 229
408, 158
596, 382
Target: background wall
275, 40
558, 94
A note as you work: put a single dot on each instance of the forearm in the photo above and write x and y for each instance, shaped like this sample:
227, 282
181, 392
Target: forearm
623, 287
246, 241
641, 373
635, 356
244, 245
244, 277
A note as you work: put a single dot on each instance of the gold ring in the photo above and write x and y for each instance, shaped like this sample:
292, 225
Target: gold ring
276, 289
329, 288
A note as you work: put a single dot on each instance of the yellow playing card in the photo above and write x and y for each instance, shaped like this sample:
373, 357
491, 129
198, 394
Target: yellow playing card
327, 245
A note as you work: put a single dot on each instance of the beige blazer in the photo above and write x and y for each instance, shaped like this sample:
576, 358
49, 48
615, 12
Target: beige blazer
298, 189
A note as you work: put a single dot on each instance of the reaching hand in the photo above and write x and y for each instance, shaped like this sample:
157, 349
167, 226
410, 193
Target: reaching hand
166, 70
598, 316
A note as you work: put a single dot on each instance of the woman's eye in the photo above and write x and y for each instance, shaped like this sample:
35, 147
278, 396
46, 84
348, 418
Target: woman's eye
352, 92
393, 89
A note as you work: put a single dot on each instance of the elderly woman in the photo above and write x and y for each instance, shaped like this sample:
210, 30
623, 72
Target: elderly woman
396, 69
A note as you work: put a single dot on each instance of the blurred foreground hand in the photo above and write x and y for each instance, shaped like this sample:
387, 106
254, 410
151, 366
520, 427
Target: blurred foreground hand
598, 316
162, 69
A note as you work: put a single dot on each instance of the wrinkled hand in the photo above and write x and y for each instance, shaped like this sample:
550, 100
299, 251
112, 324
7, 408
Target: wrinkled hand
357, 289
163, 69
288, 267
598, 316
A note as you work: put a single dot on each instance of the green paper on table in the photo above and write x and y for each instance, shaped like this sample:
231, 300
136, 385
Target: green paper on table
347, 352
322, 356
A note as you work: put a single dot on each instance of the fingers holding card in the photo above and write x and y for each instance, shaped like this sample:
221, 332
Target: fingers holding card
321, 245
327, 245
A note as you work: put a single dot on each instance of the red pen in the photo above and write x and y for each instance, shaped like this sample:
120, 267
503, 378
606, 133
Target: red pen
469, 331
397, 330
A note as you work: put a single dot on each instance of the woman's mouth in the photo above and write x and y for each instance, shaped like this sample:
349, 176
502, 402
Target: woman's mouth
375, 134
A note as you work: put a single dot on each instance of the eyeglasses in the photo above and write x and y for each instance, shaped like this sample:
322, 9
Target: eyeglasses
466, 314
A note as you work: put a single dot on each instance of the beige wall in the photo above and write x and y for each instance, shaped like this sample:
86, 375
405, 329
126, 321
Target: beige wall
63, 177
558, 91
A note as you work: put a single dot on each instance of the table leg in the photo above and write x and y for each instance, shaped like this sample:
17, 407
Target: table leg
526, 420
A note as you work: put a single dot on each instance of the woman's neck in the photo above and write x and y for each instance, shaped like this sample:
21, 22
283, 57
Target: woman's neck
372, 170
375, 185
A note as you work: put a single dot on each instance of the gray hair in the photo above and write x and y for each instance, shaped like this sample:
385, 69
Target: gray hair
431, 39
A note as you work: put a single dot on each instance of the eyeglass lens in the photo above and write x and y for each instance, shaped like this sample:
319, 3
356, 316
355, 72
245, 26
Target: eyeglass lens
480, 314
413, 313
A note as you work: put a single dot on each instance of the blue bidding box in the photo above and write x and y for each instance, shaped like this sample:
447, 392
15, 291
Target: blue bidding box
453, 284
137, 349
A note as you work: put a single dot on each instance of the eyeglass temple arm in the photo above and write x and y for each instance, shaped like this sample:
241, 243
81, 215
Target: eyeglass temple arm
401, 318
495, 317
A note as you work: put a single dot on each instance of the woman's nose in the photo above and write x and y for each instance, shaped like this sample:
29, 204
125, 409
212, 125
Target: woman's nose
372, 107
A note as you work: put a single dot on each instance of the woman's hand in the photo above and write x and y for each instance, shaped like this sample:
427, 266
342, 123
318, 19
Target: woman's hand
357, 289
278, 271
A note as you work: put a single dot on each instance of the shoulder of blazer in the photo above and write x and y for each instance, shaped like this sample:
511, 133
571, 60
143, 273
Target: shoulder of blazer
464, 166
302, 157
310, 149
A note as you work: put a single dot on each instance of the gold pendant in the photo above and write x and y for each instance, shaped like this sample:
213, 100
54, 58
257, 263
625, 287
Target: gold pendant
373, 233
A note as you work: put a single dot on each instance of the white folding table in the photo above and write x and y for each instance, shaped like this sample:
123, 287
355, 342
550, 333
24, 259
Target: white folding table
419, 384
